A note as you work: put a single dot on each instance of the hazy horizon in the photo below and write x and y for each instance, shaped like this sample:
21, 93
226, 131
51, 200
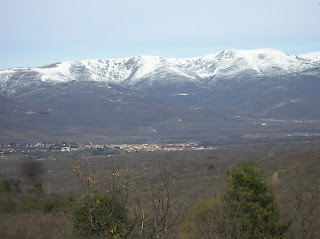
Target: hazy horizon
36, 33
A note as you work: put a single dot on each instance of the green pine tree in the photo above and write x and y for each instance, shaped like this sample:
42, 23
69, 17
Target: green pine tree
248, 208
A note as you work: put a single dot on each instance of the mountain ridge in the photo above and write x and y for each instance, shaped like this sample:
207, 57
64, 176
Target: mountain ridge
132, 71
229, 93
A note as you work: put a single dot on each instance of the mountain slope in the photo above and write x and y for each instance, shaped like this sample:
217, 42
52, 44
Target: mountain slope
161, 97
90, 111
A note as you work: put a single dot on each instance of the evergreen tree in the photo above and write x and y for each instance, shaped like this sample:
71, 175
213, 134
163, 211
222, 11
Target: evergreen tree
248, 210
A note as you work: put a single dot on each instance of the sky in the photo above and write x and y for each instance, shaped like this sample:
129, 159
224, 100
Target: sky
39, 32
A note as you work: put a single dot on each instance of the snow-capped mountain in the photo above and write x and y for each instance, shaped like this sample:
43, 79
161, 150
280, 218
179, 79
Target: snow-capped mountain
142, 71
171, 96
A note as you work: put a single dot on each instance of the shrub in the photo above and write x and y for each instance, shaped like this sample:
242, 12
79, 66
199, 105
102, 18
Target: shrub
99, 216
5, 186
37, 188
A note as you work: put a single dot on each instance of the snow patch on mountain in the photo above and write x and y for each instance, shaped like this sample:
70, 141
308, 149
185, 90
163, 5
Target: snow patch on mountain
147, 70
264, 62
313, 56
59, 73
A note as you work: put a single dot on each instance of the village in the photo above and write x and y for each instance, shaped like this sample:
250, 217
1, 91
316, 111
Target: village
97, 148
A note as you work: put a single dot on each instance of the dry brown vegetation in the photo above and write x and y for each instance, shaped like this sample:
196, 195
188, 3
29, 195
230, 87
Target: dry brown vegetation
35, 225
290, 168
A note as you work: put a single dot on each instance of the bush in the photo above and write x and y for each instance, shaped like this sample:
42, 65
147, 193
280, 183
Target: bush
5, 186
37, 188
99, 216
7, 205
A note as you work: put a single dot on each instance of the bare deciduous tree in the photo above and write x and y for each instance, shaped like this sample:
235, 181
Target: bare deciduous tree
151, 212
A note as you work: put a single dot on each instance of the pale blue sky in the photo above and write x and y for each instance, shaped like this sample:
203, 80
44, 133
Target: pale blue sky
38, 32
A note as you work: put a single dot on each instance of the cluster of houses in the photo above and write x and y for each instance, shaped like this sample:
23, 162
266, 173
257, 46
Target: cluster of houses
66, 147
140, 147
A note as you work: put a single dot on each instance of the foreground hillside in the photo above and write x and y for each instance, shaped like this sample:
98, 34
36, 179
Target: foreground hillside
193, 178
